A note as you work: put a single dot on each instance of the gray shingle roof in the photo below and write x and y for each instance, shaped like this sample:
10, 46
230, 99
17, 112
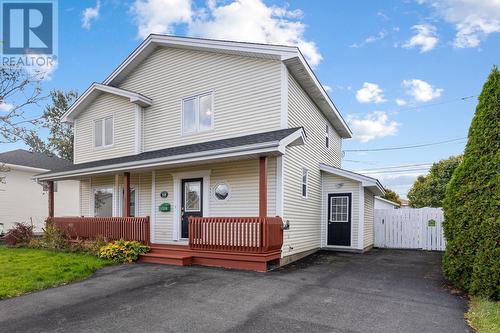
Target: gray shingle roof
187, 149
35, 160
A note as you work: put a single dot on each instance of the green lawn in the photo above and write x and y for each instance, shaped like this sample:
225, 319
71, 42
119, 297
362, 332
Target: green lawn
484, 315
23, 270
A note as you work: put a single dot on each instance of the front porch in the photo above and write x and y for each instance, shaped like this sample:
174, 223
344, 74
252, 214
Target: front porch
214, 203
172, 210
251, 243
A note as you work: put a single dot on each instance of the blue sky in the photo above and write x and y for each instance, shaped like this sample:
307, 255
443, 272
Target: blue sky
397, 70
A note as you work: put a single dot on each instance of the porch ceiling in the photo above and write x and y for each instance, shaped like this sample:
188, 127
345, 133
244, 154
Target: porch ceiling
249, 146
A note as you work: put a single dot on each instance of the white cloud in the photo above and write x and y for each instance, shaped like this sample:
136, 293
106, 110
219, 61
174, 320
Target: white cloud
90, 14
41, 66
160, 16
370, 39
400, 102
254, 21
327, 88
370, 93
239, 20
425, 37
421, 91
5, 107
374, 125
474, 20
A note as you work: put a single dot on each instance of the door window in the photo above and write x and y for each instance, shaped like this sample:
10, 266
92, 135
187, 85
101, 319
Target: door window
192, 196
339, 209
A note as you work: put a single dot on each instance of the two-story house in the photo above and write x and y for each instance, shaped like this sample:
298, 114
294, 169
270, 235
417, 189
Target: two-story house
222, 145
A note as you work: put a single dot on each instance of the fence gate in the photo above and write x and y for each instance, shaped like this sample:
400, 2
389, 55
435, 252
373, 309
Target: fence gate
410, 228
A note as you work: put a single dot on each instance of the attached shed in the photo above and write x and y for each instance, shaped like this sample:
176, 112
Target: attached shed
381, 203
348, 205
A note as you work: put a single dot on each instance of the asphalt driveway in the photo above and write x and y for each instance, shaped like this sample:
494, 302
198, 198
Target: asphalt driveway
381, 291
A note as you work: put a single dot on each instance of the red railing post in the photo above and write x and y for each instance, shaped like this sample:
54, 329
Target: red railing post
236, 234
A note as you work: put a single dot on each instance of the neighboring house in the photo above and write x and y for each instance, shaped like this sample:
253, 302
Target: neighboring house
405, 203
381, 203
210, 128
22, 199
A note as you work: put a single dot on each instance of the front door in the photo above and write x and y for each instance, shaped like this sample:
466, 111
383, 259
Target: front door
192, 202
339, 219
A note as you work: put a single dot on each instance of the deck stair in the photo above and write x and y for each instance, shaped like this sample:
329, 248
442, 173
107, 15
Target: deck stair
182, 255
168, 254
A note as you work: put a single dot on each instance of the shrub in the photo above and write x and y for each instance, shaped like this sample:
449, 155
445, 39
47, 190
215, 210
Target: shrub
123, 251
471, 205
20, 234
54, 238
88, 246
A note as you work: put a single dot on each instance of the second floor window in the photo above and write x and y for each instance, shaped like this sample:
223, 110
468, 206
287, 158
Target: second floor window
327, 136
197, 113
103, 132
305, 182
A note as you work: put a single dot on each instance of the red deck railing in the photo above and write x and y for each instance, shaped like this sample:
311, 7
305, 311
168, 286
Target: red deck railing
236, 234
112, 228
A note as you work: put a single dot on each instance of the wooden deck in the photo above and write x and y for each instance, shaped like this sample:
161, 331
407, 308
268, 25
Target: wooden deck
250, 243
183, 256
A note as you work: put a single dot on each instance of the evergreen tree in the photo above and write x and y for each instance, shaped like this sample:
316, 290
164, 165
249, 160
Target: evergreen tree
472, 202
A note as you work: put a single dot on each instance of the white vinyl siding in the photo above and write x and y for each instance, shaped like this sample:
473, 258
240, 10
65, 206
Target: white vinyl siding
22, 199
331, 184
368, 228
85, 190
243, 179
120, 138
246, 94
305, 214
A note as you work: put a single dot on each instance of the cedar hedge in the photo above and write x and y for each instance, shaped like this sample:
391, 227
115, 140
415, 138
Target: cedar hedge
472, 202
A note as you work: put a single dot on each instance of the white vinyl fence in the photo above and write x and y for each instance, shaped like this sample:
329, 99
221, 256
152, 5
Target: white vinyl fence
410, 228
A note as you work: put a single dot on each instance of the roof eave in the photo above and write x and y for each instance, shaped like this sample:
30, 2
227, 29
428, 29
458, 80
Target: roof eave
271, 147
91, 93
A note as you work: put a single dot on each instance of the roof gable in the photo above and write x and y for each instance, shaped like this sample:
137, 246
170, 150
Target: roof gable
369, 182
289, 55
94, 91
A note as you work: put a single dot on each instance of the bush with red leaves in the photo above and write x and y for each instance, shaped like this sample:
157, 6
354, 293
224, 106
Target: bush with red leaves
20, 234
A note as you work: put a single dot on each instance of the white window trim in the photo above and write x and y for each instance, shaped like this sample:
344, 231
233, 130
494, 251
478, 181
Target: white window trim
103, 119
97, 188
197, 113
306, 171
121, 200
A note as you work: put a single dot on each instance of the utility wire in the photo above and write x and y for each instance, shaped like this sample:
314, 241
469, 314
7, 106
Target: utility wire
400, 166
393, 171
416, 107
405, 147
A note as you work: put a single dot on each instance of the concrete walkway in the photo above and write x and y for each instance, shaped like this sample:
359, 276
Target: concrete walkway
381, 291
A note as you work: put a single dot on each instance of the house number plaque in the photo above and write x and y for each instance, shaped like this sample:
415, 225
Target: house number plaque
164, 194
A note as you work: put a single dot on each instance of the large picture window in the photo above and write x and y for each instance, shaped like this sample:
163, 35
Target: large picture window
103, 132
103, 202
197, 113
